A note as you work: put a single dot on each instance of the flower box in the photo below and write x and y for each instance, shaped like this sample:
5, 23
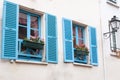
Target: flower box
80, 54
33, 45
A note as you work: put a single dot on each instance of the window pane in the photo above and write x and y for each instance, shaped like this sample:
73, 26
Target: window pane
23, 19
80, 42
22, 32
80, 33
34, 34
74, 42
34, 22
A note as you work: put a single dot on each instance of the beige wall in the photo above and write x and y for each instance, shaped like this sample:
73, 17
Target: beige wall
83, 11
112, 64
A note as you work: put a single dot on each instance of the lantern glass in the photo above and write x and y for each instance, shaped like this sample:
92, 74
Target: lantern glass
114, 23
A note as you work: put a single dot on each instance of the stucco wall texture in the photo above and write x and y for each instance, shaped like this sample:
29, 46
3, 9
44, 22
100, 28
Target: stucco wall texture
83, 11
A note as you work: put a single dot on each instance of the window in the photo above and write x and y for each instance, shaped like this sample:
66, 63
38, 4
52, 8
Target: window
113, 1
78, 41
75, 34
78, 34
21, 32
29, 28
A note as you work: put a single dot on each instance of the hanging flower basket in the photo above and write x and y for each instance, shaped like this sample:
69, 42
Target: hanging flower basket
33, 44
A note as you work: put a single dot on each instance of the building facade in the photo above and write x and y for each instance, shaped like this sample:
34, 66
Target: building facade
109, 9
56, 40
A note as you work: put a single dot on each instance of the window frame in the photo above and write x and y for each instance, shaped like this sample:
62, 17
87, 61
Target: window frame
77, 33
83, 30
28, 26
28, 15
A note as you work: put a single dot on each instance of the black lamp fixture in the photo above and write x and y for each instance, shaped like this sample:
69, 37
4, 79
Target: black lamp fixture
114, 25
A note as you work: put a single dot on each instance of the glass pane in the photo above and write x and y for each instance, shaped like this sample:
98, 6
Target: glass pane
80, 33
22, 32
34, 22
74, 42
80, 42
74, 33
22, 19
34, 34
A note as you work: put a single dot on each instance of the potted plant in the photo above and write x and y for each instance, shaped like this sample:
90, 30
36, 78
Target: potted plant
33, 43
81, 51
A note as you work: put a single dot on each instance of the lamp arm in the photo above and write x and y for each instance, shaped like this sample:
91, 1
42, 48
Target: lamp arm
107, 35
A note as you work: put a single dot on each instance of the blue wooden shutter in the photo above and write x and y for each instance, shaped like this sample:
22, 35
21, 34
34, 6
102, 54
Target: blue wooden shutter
68, 42
9, 27
51, 39
93, 46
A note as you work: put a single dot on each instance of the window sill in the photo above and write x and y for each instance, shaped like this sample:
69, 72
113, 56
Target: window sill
31, 62
84, 65
113, 4
115, 55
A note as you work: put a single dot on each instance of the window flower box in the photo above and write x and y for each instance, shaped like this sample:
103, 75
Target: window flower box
81, 52
34, 44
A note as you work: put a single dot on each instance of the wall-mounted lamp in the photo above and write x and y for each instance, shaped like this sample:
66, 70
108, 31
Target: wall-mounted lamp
114, 25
